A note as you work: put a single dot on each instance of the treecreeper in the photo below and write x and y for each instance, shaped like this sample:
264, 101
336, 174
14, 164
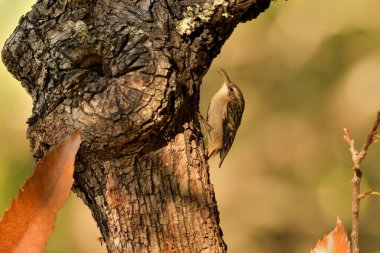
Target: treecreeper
223, 118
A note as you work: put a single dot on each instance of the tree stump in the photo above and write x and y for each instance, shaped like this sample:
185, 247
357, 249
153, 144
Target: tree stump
129, 73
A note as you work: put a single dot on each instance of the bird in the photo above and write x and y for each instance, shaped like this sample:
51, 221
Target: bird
224, 115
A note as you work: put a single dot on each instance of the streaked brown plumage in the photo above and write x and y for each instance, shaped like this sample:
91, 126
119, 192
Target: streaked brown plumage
223, 118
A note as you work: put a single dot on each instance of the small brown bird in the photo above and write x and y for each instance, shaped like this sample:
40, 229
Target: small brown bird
223, 118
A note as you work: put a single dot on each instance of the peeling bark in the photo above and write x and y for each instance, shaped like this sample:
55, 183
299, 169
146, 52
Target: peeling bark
129, 73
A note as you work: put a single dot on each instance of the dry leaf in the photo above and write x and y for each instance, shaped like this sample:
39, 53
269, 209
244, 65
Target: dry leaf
335, 242
27, 224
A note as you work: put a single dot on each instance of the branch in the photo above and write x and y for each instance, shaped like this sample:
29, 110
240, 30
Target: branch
357, 158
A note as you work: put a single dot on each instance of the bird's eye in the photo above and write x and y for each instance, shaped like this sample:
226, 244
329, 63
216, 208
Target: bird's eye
231, 89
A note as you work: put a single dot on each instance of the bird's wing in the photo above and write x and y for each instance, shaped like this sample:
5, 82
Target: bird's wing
231, 121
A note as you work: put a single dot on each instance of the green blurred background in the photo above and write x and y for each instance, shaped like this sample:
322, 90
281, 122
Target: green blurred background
307, 69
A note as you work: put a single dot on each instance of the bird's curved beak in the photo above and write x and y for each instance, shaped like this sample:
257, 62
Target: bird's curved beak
225, 77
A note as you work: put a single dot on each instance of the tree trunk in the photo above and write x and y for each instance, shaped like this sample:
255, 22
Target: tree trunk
129, 73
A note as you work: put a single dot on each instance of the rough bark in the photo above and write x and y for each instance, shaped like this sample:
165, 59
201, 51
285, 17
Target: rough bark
129, 73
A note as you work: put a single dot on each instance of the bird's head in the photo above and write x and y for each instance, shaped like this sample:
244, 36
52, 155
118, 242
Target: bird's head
232, 89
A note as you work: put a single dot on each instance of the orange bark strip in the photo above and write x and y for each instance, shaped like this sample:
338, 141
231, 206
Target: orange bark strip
28, 223
335, 242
